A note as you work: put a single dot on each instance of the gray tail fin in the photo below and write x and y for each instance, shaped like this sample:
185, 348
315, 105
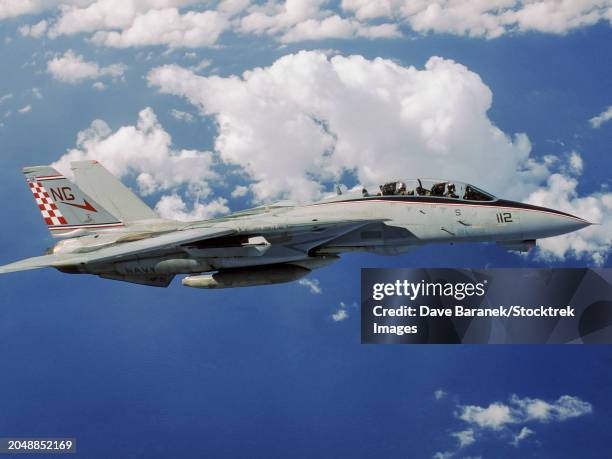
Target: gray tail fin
65, 208
105, 188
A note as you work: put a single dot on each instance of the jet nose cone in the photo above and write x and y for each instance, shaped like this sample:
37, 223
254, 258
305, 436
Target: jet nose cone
541, 222
566, 223
574, 223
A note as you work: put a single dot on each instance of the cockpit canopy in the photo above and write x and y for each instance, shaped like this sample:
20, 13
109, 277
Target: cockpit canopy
434, 187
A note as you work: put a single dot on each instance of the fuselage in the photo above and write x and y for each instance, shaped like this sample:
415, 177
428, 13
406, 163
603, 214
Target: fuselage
110, 232
295, 233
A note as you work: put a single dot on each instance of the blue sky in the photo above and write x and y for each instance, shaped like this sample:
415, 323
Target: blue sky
267, 371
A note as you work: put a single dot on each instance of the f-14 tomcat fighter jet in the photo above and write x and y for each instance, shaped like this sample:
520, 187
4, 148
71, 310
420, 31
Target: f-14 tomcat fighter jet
108, 231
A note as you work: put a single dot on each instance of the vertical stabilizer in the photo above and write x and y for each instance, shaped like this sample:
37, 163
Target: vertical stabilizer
65, 208
105, 188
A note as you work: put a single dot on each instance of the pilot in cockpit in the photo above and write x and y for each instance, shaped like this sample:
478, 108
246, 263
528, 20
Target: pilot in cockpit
450, 191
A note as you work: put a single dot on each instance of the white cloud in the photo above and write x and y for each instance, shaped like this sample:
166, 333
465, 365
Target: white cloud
327, 112
184, 23
311, 284
232, 7
488, 19
339, 315
5, 97
36, 93
99, 86
498, 420
173, 207
591, 243
464, 437
299, 20
575, 163
35, 31
182, 116
240, 191
335, 113
167, 27
14, 8
495, 416
439, 394
91, 16
145, 151
25, 109
336, 27
203, 64
72, 68
565, 407
524, 433
342, 313
603, 117
520, 410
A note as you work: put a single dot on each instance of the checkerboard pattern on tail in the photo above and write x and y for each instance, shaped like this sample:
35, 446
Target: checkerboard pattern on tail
51, 214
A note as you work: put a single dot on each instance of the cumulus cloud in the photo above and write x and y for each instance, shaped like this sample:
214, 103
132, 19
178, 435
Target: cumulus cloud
592, 243
35, 31
498, 415
294, 21
311, 284
495, 416
240, 191
145, 152
333, 114
575, 163
174, 207
182, 116
602, 118
143, 23
14, 8
505, 421
490, 19
73, 68
25, 109
566, 407
464, 437
184, 23
167, 27
203, 64
439, 394
327, 112
342, 313
91, 16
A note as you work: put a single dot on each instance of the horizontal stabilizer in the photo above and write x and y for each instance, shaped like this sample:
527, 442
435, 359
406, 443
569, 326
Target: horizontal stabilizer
45, 261
122, 251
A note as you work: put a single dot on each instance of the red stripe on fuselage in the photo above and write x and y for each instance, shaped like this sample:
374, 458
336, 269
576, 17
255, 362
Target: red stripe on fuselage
519, 206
